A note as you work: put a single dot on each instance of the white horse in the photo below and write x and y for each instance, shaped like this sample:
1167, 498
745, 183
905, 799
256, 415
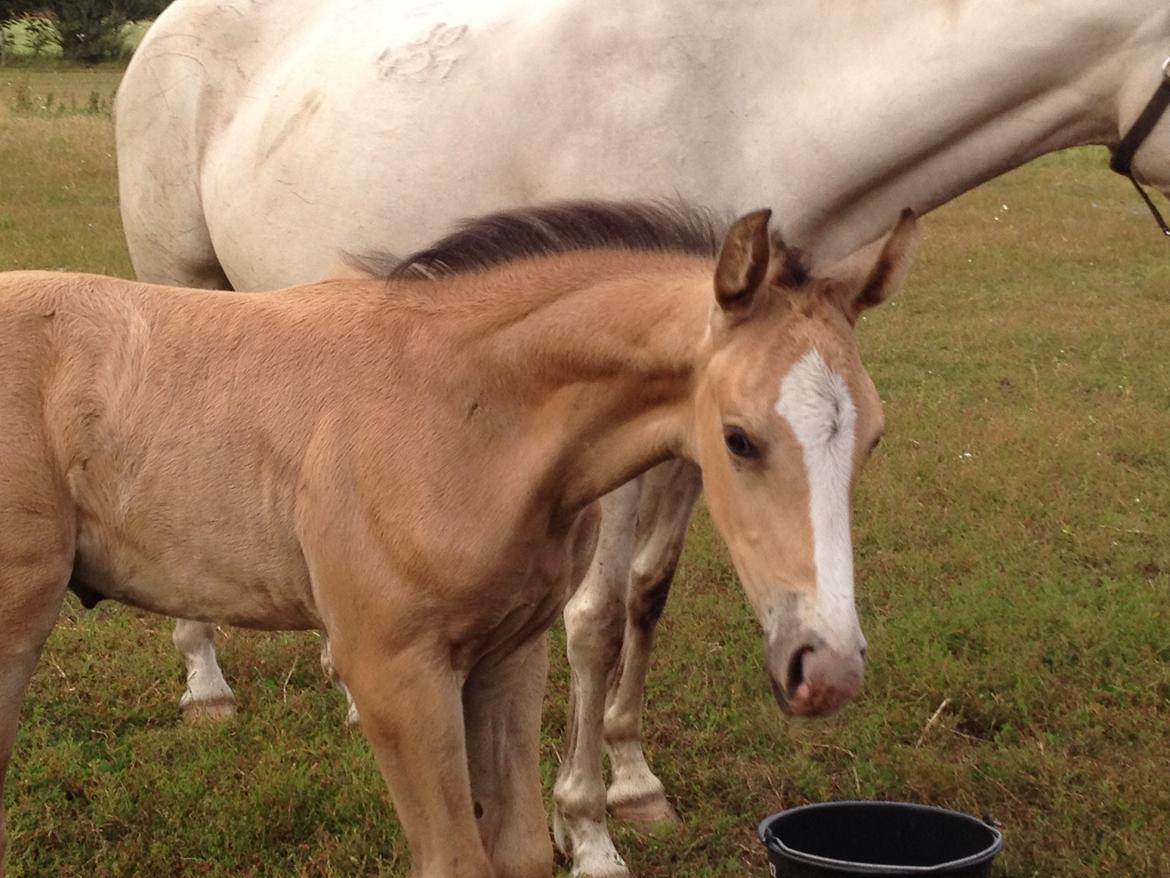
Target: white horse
256, 141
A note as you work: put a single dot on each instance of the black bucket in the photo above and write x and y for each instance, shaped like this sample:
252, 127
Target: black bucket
878, 838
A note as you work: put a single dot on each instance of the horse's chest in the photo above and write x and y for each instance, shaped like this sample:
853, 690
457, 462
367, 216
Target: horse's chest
524, 597
532, 573
516, 604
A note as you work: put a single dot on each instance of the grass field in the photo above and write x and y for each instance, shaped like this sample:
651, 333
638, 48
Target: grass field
1013, 541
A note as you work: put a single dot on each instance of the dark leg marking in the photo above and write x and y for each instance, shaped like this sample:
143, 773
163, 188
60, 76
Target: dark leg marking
648, 603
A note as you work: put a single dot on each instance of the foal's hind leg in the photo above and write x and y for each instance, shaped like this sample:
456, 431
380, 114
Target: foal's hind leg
36, 555
208, 695
669, 492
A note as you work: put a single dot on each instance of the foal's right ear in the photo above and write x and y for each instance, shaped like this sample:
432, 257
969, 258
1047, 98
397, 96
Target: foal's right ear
872, 274
743, 264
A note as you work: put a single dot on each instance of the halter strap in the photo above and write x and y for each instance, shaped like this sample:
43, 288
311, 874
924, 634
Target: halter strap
1122, 160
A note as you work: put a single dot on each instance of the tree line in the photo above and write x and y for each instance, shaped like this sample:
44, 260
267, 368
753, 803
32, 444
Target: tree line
87, 30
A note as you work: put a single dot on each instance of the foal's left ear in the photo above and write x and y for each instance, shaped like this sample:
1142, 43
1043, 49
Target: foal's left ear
877, 271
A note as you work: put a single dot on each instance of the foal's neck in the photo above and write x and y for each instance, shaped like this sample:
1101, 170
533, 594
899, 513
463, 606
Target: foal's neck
602, 348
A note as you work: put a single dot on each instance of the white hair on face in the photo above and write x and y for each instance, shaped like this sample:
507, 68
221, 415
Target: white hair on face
816, 403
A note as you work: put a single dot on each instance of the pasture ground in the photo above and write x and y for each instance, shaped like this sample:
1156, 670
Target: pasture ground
1013, 542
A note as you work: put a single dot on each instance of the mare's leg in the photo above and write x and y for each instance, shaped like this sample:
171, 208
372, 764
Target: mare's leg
208, 695
669, 492
594, 618
36, 558
502, 706
351, 713
160, 165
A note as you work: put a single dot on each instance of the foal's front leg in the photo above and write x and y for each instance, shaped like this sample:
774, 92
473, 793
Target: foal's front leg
410, 706
502, 706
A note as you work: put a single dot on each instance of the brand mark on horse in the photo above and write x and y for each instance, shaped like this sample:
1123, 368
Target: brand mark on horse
432, 57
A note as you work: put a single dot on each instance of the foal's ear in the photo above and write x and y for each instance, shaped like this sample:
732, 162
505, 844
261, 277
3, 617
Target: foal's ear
743, 264
877, 271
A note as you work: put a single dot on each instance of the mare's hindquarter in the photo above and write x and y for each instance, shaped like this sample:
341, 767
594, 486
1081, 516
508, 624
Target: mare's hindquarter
267, 460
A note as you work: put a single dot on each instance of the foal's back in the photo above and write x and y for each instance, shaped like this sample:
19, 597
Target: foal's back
166, 428
136, 351
118, 362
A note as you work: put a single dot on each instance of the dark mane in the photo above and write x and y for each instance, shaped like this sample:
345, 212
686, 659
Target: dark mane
487, 241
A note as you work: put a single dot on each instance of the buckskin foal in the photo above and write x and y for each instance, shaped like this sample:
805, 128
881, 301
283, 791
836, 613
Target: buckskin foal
410, 465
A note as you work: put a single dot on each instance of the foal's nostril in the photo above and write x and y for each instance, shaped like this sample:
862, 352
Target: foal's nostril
795, 674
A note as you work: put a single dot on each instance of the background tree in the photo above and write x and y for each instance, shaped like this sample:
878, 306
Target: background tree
90, 30
7, 42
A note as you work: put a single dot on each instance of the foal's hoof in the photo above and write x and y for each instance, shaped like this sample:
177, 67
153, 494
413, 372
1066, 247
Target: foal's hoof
650, 815
215, 710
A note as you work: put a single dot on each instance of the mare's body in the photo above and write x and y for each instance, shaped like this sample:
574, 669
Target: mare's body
257, 141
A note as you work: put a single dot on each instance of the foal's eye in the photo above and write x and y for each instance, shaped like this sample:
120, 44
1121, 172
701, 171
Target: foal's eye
739, 444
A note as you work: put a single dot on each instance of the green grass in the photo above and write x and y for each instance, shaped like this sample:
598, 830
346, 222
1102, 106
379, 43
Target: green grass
1013, 541
58, 193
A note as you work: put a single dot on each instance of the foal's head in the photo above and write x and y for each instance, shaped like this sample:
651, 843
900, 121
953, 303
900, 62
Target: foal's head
785, 416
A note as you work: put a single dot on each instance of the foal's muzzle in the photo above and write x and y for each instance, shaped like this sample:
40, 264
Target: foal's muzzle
809, 678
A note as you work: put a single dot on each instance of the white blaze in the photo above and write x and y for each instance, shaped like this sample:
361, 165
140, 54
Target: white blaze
815, 402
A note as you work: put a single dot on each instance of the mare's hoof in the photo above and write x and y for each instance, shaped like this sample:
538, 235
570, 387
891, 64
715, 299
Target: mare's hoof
650, 815
603, 870
592, 855
601, 863
215, 710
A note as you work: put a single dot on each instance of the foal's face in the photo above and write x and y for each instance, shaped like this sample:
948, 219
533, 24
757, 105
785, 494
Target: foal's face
785, 418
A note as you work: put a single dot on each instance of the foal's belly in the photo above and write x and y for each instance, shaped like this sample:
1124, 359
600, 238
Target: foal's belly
219, 573
180, 512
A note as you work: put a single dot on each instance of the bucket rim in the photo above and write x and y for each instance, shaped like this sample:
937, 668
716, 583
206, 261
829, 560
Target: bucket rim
775, 845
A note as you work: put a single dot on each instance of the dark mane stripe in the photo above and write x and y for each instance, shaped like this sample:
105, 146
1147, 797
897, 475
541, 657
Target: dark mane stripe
498, 238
